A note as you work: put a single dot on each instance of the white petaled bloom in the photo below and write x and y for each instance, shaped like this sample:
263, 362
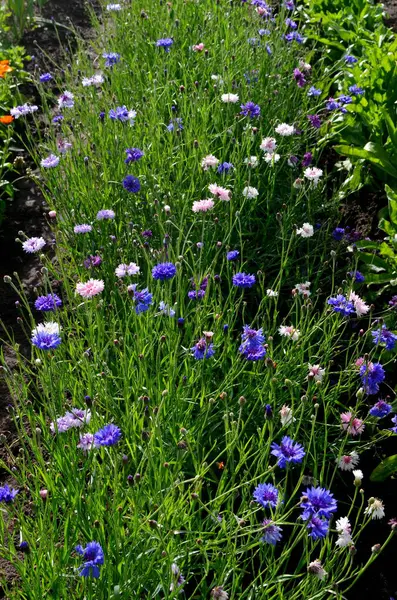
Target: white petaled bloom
66, 100
113, 7
303, 289
286, 417
271, 293
272, 158
123, 269
313, 174
217, 78
209, 162
268, 145
49, 327
218, 593
33, 244
230, 98
289, 331
131, 117
220, 192
304, 66
298, 183
358, 477
360, 306
343, 527
166, 310
285, 130
250, 192
317, 569
375, 508
316, 372
348, 462
305, 231
96, 80
252, 161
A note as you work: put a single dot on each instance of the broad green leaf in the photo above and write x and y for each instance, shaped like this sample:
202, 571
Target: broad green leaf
385, 469
375, 153
392, 198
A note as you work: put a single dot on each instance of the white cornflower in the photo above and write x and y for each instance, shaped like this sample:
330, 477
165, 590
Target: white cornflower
252, 161
229, 98
303, 288
286, 415
306, 230
317, 569
316, 372
271, 293
272, 158
250, 192
358, 477
285, 130
313, 174
375, 508
348, 462
289, 331
268, 144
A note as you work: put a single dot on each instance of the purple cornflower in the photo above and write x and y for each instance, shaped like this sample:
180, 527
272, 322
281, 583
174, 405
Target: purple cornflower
384, 336
133, 155
163, 271
350, 60
86, 442
243, 280
294, 36
120, 113
24, 109
66, 100
393, 302
268, 49
338, 233
356, 90
50, 161
356, 276
112, 58
271, 532
203, 349
109, 435
143, 299
317, 527
313, 92
92, 261
345, 99
200, 293
105, 214
165, 43
268, 411
178, 578
46, 336
380, 409
372, 374
264, 32
45, 77
131, 184
252, 342
307, 159
266, 495
83, 228
333, 104
48, 303
290, 23
147, 233
33, 245
287, 452
93, 557
299, 78
315, 121
342, 305
58, 119
175, 123
76, 418
225, 167
289, 5
394, 421
319, 502
250, 110
7, 494
232, 255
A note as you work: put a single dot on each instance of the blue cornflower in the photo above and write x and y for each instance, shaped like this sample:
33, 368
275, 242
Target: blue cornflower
175, 123
317, 527
45, 77
58, 119
338, 233
181, 322
290, 23
7, 494
23, 546
131, 184
356, 276
271, 532
289, 4
342, 305
243, 280
268, 411
165, 43
133, 154
164, 271
356, 90
46, 336
48, 303
394, 421
350, 60
384, 336
252, 341
319, 502
93, 557
225, 328
333, 104
287, 452
264, 32
232, 255
315, 121
196, 294
345, 99
109, 435
268, 49
112, 58
143, 299
105, 214
313, 91
203, 349
266, 495
380, 409
120, 113
166, 310
225, 167
294, 36
372, 374
250, 109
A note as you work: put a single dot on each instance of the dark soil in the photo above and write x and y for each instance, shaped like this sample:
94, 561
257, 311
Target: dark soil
391, 11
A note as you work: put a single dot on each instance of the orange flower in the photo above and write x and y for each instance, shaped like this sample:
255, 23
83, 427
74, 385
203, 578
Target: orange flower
5, 67
6, 119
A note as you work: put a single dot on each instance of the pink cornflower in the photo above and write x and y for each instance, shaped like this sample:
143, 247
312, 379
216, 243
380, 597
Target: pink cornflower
360, 361
268, 144
360, 306
316, 372
198, 47
203, 205
348, 462
352, 425
220, 192
289, 331
306, 230
313, 174
33, 244
91, 288
124, 269
209, 162
86, 442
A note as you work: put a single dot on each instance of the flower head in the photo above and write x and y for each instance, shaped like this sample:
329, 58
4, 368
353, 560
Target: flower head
250, 110
83, 228
348, 462
50, 161
220, 192
317, 527
203, 205
243, 280
209, 162
164, 271
380, 409
385, 337
46, 336
352, 425
48, 303
33, 245
165, 43
109, 435
91, 288
24, 109
266, 495
66, 100
287, 452
271, 532
306, 230
375, 508
316, 372
105, 214
112, 58
289, 331
372, 374
86, 442
360, 306
75, 418
229, 98
7, 494
203, 349
285, 130
252, 344
131, 184
123, 269
93, 557
268, 144
316, 568
319, 502
133, 155
313, 174
341, 305
143, 298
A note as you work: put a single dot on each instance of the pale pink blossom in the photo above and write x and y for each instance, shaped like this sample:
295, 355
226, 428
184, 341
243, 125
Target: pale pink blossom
305, 231
209, 162
33, 244
268, 144
220, 192
203, 205
289, 331
303, 289
198, 47
348, 462
316, 568
286, 417
352, 425
271, 158
285, 130
123, 269
86, 442
360, 306
313, 174
304, 66
91, 288
250, 192
316, 372
229, 98
375, 508
344, 528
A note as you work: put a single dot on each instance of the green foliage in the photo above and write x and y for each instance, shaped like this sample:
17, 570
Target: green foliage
385, 469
